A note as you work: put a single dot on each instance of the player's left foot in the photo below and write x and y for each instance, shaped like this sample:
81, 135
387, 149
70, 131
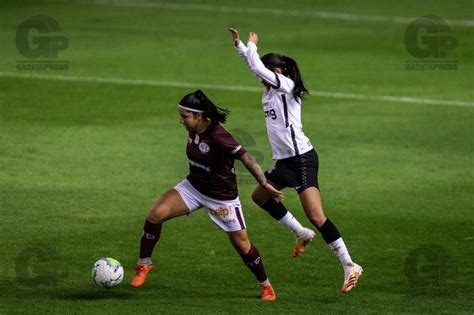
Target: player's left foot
352, 273
302, 241
267, 293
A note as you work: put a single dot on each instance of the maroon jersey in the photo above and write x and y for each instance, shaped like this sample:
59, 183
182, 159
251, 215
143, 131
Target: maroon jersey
211, 162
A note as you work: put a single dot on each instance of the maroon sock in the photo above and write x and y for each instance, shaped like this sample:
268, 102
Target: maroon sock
254, 262
150, 236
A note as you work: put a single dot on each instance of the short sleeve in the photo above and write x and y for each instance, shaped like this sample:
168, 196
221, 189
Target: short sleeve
230, 145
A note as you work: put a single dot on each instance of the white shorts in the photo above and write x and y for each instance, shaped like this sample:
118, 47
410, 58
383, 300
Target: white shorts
226, 214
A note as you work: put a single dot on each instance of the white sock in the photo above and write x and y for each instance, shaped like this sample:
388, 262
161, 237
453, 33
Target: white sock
290, 222
266, 282
145, 261
340, 250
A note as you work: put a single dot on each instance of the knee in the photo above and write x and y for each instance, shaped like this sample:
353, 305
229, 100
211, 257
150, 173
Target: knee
243, 246
258, 198
255, 197
156, 215
316, 218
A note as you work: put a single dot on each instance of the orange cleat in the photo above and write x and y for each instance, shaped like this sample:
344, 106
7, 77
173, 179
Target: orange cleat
352, 275
302, 242
267, 293
141, 271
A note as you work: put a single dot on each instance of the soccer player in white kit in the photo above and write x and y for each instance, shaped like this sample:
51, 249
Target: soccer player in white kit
211, 184
296, 160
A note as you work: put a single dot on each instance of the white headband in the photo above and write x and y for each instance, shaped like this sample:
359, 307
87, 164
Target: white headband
190, 109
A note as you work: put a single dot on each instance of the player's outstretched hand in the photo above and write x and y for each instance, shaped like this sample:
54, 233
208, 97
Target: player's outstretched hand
235, 36
277, 195
253, 38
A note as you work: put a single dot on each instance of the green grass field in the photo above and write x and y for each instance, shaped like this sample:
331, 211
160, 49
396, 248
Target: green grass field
81, 161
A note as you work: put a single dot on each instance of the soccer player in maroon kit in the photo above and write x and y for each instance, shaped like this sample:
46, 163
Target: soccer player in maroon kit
211, 184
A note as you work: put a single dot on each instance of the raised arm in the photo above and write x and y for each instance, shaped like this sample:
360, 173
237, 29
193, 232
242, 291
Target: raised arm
250, 55
253, 167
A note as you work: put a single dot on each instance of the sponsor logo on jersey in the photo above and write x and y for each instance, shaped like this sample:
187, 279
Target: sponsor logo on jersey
204, 167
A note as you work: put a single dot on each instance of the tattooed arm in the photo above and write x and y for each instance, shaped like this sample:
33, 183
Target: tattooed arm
253, 167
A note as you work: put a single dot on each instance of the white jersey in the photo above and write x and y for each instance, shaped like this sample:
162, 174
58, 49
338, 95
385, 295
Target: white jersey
282, 110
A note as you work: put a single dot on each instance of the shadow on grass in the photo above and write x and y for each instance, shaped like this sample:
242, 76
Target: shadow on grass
12, 288
39, 292
93, 295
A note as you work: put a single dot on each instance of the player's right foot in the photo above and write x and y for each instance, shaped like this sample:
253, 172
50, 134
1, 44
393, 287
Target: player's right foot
141, 271
302, 241
267, 293
352, 273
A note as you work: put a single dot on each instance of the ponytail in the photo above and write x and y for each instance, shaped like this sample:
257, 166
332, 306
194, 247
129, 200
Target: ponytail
289, 69
292, 71
199, 102
216, 114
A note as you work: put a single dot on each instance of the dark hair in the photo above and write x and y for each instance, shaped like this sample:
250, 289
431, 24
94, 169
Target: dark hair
289, 69
199, 101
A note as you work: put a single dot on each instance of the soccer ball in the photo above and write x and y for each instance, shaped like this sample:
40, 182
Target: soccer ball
107, 272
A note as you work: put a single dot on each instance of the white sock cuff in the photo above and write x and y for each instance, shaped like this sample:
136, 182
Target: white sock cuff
338, 247
266, 282
337, 243
290, 222
145, 261
286, 217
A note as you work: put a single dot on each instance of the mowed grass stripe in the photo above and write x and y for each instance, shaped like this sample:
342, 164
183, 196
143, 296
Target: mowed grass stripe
272, 12
234, 88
